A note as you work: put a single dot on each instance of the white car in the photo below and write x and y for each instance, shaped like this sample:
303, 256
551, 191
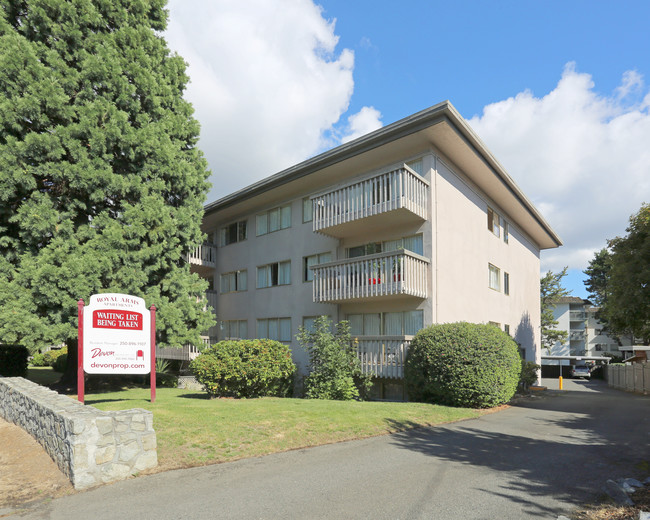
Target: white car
580, 371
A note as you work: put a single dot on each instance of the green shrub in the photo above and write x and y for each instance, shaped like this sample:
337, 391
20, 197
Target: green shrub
13, 360
38, 360
60, 362
165, 376
462, 364
529, 371
334, 368
245, 368
51, 356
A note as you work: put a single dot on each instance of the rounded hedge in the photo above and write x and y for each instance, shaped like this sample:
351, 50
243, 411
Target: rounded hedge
245, 368
462, 364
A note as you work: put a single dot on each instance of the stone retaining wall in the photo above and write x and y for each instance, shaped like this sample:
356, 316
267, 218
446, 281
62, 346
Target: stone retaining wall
90, 447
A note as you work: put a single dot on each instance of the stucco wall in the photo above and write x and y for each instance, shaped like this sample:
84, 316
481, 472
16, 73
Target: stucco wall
89, 446
463, 249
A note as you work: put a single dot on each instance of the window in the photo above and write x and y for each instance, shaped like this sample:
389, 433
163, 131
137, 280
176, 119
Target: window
309, 323
416, 166
404, 323
506, 283
506, 232
233, 329
278, 329
411, 243
366, 249
234, 282
235, 232
307, 210
495, 324
506, 329
278, 273
273, 220
493, 221
494, 281
308, 261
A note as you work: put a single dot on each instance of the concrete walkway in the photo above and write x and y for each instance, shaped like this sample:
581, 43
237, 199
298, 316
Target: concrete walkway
537, 459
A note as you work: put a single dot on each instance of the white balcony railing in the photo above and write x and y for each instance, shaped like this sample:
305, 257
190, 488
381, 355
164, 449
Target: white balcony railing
383, 356
203, 256
185, 353
382, 274
577, 315
397, 189
577, 335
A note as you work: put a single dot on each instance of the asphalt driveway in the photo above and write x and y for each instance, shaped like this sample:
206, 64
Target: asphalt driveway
542, 457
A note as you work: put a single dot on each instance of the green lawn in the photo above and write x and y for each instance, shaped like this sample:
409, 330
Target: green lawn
43, 375
193, 430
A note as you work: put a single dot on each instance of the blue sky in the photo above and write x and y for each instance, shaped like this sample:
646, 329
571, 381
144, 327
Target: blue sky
557, 90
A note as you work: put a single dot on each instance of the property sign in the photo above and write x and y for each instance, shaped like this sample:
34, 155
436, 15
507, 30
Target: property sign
116, 335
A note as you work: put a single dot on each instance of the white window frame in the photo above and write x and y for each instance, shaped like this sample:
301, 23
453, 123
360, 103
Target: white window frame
494, 277
506, 283
493, 222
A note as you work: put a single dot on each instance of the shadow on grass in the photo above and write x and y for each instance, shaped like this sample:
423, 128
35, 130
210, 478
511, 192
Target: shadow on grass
203, 396
98, 401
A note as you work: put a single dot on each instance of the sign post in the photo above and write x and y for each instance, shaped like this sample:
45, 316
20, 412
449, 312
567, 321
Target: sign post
80, 351
152, 309
116, 336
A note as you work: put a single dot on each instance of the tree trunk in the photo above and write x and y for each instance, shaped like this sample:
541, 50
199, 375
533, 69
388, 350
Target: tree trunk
68, 382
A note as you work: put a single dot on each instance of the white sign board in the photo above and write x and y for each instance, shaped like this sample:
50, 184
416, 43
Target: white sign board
116, 335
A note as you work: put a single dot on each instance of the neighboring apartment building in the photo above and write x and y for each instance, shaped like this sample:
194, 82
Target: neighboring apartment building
585, 334
413, 224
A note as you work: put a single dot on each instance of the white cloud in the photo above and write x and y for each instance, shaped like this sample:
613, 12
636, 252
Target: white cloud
267, 83
582, 158
364, 121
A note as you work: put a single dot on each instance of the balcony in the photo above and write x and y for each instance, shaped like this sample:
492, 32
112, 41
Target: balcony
577, 335
397, 197
203, 259
185, 353
383, 356
577, 316
383, 275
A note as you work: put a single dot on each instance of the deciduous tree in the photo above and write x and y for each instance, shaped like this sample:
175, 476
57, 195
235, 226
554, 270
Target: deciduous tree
626, 302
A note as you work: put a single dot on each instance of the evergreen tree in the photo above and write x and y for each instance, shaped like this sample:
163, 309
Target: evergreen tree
101, 183
551, 291
598, 273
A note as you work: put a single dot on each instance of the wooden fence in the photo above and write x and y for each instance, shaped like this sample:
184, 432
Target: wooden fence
631, 378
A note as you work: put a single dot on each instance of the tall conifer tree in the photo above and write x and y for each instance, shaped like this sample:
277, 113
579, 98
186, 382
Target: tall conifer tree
101, 183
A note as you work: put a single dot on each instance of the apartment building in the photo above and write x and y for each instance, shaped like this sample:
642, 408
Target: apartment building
586, 336
414, 224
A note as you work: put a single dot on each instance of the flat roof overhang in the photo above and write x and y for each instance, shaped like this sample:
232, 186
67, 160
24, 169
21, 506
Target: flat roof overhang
440, 127
578, 358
